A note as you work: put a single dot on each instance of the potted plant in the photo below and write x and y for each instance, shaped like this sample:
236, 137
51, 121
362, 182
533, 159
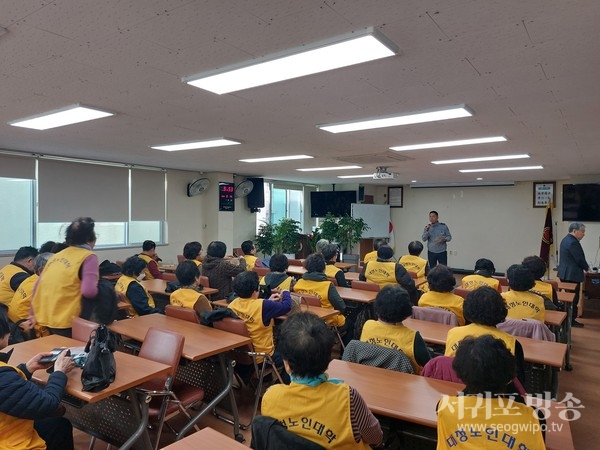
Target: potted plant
312, 239
350, 230
329, 228
265, 239
286, 236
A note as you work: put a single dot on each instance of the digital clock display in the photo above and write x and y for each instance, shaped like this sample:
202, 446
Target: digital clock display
226, 197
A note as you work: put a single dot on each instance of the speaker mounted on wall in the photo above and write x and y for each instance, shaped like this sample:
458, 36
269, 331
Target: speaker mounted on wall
256, 197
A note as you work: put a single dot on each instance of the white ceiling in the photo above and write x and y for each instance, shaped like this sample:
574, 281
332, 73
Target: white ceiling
528, 69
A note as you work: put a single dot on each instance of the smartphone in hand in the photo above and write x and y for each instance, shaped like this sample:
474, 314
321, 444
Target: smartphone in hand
55, 353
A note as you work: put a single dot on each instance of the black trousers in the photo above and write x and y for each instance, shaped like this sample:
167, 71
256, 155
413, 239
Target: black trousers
57, 432
435, 258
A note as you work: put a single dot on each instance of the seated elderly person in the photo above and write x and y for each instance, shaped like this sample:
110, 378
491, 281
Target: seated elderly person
537, 266
219, 270
140, 300
441, 283
277, 278
330, 253
28, 411
482, 276
522, 303
305, 344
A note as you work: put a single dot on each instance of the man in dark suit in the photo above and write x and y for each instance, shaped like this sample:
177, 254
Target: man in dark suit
572, 263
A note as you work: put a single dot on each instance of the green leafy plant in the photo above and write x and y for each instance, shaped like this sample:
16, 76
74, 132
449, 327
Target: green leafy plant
329, 227
350, 230
312, 239
286, 236
265, 239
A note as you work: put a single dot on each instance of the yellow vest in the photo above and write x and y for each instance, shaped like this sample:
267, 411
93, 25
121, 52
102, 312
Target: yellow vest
195, 261
250, 311
487, 423
382, 273
457, 334
543, 288
6, 273
331, 270
57, 299
18, 309
320, 414
184, 297
148, 260
371, 256
472, 282
319, 289
415, 264
284, 285
250, 262
445, 300
123, 284
524, 305
393, 336
17, 433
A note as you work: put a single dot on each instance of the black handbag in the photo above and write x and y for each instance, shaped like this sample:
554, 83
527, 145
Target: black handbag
100, 367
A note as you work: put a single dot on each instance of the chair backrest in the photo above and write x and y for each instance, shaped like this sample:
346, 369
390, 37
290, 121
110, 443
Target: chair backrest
554, 284
81, 328
169, 276
120, 263
365, 285
261, 271
182, 313
310, 300
333, 281
438, 315
237, 251
165, 347
180, 258
236, 326
202, 304
503, 280
413, 275
461, 291
530, 328
204, 281
295, 262
377, 356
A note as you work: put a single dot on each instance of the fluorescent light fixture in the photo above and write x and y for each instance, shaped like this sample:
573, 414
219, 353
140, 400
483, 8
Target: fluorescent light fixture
485, 140
481, 159
276, 158
454, 112
209, 143
501, 169
370, 175
479, 178
60, 117
316, 169
343, 51
455, 184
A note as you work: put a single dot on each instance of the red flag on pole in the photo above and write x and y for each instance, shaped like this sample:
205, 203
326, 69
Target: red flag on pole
547, 239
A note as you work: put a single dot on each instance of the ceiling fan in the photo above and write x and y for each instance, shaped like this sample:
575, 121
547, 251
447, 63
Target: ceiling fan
197, 187
243, 189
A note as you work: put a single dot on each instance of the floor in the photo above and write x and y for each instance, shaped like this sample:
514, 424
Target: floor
581, 382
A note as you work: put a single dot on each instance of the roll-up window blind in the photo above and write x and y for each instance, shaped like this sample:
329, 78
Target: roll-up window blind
17, 167
147, 195
68, 190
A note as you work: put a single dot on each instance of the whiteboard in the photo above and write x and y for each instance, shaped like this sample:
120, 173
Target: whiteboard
377, 217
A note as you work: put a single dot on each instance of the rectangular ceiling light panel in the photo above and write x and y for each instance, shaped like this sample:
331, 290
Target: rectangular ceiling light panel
209, 143
58, 118
501, 169
317, 169
486, 140
276, 158
344, 51
481, 159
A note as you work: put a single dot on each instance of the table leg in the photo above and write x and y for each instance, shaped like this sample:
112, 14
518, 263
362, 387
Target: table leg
554, 389
227, 369
140, 410
569, 308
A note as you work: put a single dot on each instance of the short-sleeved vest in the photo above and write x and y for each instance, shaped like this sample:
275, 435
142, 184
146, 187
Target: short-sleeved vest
319, 289
320, 413
284, 285
457, 334
250, 262
393, 336
414, 264
371, 256
184, 297
123, 284
17, 433
6, 273
476, 430
472, 282
524, 305
57, 298
382, 273
250, 311
331, 270
148, 260
543, 288
21, 302
445, 300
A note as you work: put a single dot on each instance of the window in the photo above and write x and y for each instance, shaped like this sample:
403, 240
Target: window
16, 228
282, 201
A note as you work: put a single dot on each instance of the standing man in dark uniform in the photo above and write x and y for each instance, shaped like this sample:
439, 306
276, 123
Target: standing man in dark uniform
572, 263
436, 234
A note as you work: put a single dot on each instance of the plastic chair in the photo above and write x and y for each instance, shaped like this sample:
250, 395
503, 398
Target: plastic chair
333, 281
168, 396
179, 312
180, 258
461, 291
204, 281
81, 329
437, 315
261, 271
365, 285
169, 276
262, 362
312, 300
413, 275
503, 280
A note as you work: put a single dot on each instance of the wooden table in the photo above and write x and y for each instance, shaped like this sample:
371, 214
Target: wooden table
296, 271
352, 276
344, 266
167, 267
356, 295
131, 372
158, 286
566, 286
550, 354
415, 397
200, 343
567, 298
207, 439
322, 313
